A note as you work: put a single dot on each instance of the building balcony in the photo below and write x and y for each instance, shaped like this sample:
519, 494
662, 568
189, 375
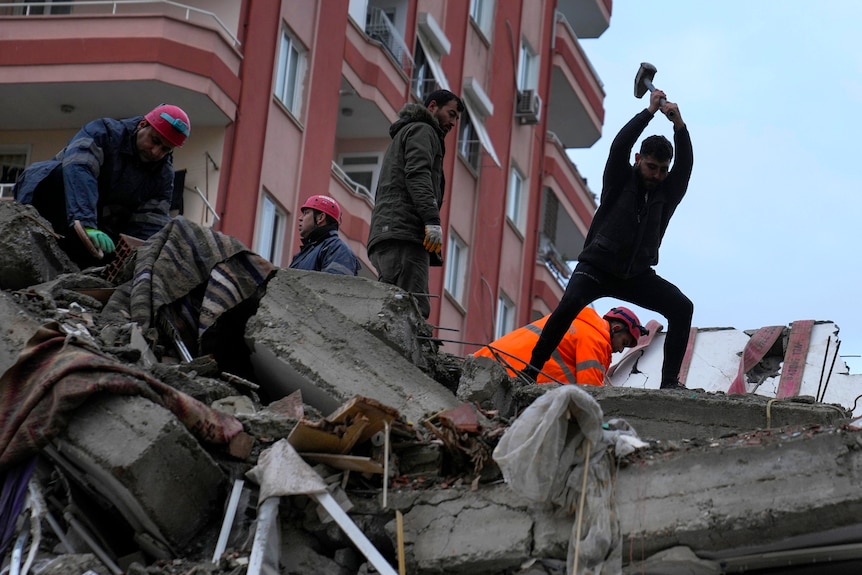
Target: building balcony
548, 287
375, 75
563, 176
64, 64
576, 110
589, 18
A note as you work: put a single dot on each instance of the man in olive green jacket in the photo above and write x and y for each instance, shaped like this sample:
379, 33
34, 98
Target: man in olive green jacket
406, 233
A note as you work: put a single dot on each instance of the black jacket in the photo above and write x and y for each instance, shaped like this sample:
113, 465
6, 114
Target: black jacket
629, 225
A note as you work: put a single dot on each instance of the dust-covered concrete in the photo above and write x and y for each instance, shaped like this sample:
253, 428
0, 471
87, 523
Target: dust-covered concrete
301, 342
29, 253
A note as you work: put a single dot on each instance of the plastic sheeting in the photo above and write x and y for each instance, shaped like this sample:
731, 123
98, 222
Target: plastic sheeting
544, 455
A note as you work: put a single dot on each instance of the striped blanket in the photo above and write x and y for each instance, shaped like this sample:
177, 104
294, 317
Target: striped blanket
189, 275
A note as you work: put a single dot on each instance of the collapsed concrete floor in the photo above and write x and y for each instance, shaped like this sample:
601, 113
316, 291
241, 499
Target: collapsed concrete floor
343, 368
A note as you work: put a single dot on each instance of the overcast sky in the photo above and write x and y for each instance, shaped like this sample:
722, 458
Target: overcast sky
771, 91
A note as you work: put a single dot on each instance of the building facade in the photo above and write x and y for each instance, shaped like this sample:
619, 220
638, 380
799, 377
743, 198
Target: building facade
290, 98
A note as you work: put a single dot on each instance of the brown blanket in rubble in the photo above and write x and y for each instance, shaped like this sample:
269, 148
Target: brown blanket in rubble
56, 373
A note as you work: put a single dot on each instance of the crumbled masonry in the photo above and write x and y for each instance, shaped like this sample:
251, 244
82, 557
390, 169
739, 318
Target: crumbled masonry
341, 368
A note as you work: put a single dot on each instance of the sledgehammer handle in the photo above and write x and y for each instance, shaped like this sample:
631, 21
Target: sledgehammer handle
651, 89
661, 101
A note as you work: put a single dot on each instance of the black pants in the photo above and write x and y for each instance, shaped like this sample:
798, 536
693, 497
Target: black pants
648, 290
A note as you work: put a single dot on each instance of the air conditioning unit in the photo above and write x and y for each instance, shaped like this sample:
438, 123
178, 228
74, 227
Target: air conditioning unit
528, 108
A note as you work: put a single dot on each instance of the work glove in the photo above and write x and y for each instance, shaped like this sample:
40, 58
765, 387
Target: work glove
433, 239
101, 240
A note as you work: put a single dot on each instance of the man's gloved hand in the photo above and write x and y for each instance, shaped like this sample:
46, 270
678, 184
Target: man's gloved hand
433, 239
101, 240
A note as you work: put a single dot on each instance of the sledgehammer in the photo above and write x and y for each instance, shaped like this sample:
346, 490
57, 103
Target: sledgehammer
643, 82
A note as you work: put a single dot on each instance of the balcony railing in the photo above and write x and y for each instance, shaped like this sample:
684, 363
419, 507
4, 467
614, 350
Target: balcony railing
355, 187
118, 7
381, 28
553, 260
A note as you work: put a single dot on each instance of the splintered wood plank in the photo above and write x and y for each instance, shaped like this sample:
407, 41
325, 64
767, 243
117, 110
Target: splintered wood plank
346, 462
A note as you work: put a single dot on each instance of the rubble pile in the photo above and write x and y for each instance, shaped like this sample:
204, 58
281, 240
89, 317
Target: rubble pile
314, 426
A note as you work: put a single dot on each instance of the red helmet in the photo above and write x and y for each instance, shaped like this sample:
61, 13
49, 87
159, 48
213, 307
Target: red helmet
324, 204
629, 318
171, 123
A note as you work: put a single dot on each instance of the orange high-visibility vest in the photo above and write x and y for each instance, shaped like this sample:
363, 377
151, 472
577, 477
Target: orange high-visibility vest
583, 356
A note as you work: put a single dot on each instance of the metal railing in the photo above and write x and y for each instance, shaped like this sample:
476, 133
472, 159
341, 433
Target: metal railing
116, 7
549, 255
381, 28
355, 187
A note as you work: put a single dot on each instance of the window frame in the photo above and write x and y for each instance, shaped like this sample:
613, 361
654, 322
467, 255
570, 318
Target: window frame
515, 198
469, 145
290, 78
455, 278
482, 15
504, 320
272, 227
528, 67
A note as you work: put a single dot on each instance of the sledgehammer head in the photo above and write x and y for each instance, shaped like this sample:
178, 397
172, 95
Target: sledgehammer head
643, 80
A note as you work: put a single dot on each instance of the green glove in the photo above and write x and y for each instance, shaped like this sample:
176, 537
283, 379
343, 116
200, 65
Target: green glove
101, 240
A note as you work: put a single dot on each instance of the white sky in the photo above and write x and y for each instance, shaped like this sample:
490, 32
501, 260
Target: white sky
771, 91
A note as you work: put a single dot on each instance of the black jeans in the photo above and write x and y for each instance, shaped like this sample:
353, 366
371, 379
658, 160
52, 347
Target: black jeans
648, 290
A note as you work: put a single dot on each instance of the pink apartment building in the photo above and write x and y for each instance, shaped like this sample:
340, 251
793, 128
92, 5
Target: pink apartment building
290, 98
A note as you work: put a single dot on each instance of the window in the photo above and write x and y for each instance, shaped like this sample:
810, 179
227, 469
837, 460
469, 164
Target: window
270, 235
482, 13
290, 72
13, 160
505, 317
456, 266
468, 140
528, 68
424, 81
515, 198
363, 169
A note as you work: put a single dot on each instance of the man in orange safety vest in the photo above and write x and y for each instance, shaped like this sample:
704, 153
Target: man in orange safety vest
584, 354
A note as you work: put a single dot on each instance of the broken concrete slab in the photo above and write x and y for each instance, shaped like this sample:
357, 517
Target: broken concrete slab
384, 310
767, 488
299, 341
716, 356
675, 415
152, 469
763, 487
654, 414
29, 252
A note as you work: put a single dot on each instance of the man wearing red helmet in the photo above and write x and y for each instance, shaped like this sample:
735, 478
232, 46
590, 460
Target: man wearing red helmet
113, 177
322, 250
584, 353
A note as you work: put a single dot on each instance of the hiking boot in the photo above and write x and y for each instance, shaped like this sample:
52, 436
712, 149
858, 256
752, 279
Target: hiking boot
672, 385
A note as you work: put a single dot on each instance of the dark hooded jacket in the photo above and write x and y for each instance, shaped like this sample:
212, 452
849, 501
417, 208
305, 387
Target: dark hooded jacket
324, 251
107, 185
628, 227
410, 185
